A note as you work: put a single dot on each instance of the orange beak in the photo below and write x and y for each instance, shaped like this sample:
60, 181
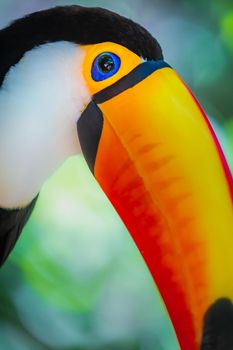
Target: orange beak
157, 159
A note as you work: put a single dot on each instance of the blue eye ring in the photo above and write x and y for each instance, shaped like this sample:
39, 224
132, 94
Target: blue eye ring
105, 66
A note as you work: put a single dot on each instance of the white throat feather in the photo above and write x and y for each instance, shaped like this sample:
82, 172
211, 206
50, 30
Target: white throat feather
41, 100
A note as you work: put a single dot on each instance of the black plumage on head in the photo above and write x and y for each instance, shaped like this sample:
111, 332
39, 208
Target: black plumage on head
77, 24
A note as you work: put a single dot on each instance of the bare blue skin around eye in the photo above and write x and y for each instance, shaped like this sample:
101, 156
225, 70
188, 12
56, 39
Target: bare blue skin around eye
97, 74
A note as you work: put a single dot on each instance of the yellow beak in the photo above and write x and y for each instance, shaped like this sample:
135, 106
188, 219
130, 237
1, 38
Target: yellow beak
161, 166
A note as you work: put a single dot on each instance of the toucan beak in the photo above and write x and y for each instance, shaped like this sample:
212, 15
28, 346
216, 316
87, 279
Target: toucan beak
156, 157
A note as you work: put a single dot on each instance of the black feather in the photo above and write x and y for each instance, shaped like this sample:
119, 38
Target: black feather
11, 225
81, 25
218, 326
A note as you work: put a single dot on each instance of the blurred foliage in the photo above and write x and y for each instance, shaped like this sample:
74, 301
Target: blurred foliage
227, 30
76, 280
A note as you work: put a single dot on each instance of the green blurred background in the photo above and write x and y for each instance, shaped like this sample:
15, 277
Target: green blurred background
76, 280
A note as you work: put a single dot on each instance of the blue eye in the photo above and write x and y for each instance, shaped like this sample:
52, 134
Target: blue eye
104, 66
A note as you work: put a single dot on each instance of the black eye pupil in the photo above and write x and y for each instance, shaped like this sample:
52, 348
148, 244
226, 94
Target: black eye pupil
106, 63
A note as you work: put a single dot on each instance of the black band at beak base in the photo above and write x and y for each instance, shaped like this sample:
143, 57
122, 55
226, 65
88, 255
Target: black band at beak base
89, 126
134, 77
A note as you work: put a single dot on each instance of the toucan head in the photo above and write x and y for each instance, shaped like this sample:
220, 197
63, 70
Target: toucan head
75, 75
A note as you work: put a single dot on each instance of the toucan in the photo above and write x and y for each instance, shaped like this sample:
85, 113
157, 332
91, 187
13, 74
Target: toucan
74, 76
